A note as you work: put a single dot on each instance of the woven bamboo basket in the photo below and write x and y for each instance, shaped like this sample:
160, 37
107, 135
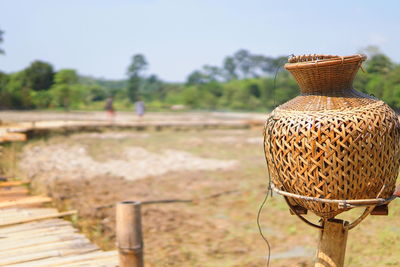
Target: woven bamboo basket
331, 142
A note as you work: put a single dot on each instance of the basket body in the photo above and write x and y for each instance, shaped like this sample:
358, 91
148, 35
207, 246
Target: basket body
332, 141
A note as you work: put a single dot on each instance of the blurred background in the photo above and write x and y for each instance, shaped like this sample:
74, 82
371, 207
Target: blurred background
204, 55
187, 86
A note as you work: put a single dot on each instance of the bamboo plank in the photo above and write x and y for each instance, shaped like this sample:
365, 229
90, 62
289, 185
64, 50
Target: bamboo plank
25, 201
13, 183
23, 216
34, 237
68, 260
6, 215
38, 231
35, 231
75, 243
37, 218
12, 137
7, 191
55, 232
39, 241
24, 210
106, 262
24, 258
33, 225
11, 198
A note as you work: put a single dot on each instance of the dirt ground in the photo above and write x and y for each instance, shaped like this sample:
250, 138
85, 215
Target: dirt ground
92, 171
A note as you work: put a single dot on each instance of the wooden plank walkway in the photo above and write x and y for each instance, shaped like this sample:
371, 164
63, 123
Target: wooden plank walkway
33, 235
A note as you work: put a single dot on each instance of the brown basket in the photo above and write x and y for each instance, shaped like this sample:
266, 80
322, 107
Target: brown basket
332, 142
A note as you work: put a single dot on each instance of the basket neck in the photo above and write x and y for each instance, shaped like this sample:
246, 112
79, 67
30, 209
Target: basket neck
325, 78
327, 87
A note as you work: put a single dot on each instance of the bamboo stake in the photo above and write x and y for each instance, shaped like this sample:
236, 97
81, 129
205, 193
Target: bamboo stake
129, 234
332, 244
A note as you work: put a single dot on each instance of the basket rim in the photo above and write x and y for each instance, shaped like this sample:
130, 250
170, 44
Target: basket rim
320, 60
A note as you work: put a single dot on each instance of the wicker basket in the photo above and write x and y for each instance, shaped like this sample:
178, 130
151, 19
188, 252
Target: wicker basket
332, 142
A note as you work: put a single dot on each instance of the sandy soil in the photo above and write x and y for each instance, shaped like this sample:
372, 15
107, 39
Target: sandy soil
132, 164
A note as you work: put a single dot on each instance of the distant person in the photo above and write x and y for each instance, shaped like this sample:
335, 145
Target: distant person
109, 107
139, 108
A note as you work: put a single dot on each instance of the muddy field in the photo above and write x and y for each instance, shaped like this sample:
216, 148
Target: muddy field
222, 171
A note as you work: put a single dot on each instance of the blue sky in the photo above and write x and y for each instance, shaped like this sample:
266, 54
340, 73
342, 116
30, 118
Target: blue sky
98, 37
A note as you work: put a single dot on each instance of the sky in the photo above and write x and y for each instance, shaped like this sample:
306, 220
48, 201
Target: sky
99, 37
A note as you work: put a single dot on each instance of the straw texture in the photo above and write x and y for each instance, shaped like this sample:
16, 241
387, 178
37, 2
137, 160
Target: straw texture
332, 141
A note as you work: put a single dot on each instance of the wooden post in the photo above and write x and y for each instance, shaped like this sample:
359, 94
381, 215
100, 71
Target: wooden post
129, 234
332, 244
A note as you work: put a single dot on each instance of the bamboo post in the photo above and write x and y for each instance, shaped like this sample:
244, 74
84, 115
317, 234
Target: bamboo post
332, 244
129, 234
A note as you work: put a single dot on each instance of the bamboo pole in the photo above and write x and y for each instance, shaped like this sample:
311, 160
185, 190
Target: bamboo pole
332, 244
129, 234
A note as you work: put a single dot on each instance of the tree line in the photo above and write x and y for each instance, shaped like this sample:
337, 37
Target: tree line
243, 81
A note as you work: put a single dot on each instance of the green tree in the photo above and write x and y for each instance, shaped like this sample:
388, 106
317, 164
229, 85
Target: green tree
151, 88
20, 93
196, 77
230, 69
39, 75
138, 65
66, 76
96, 93
379, 63
244, 63
5, 97
41, 99
66, 92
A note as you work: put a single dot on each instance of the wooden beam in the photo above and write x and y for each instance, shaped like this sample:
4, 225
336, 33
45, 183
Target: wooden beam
129, 234
332, 244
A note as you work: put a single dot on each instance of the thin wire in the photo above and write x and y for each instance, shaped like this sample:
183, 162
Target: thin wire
269, 190
259, 225
276, 74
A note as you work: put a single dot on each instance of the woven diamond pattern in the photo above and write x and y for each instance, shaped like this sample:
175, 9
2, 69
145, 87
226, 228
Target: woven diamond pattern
347, 152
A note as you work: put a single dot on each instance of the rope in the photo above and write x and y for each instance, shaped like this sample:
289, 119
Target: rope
342, 203
349, 226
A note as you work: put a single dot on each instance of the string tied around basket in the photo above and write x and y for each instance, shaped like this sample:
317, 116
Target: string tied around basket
370, 204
